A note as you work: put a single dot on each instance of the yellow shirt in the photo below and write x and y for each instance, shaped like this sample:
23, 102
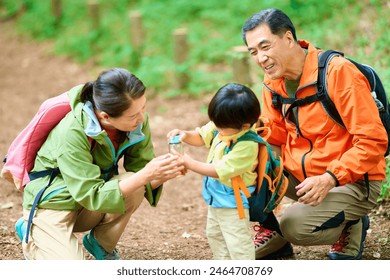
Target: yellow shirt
242, 160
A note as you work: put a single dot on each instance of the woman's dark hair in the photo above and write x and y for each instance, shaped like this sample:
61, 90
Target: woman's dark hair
113, 91
277, 21
234, 105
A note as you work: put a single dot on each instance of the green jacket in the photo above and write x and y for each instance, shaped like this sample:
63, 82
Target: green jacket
85, 172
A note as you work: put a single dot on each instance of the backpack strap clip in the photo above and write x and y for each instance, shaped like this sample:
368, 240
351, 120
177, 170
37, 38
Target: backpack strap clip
277, 101
238, 184
53, 173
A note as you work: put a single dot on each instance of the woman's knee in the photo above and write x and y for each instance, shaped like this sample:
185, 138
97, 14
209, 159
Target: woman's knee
134, 200
33, 252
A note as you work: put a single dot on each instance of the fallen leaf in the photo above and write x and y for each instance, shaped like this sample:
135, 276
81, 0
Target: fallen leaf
186, 235
7, 205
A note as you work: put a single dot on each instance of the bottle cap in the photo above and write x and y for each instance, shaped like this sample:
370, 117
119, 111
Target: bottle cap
175, 139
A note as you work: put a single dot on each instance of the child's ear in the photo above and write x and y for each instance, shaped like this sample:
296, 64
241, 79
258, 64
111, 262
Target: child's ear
246, 126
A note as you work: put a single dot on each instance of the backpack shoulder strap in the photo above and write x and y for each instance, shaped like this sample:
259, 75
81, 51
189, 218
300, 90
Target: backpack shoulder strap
322, 89
264, 132
237, 182
263, 154
251, 136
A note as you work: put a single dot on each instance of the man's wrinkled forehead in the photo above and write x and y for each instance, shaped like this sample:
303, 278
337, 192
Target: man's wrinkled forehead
259, 36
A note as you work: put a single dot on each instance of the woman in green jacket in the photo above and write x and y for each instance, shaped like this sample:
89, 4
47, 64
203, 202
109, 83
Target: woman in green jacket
107, 121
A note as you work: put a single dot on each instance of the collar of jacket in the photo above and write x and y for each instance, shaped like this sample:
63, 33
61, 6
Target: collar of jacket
93, 128
85, 115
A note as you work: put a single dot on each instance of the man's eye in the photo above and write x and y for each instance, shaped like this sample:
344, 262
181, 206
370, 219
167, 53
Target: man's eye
265, 48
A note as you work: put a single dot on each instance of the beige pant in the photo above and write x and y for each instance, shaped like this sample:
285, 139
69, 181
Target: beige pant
322, 225
229, 236
53, 236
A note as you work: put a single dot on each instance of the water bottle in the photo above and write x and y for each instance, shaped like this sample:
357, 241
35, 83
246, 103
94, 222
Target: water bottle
175, 145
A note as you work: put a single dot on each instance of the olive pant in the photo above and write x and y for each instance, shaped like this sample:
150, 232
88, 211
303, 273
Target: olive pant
322, 225
229, 236
53, 235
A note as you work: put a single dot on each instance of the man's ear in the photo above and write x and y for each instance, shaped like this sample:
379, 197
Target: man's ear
290, 37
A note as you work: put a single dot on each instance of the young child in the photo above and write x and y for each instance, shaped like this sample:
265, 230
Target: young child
233, 111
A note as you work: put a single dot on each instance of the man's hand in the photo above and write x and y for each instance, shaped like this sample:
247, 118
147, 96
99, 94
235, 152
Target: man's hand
314, 189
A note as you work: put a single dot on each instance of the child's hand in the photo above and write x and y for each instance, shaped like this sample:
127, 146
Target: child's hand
181, 160
174, 132
185, 160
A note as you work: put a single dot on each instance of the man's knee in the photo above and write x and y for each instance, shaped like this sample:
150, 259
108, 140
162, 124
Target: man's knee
293, 228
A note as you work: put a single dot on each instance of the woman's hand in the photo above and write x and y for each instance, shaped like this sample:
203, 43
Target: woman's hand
155, 172
163, 168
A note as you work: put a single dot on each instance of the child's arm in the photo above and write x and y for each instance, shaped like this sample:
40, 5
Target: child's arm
190, 137
205, 169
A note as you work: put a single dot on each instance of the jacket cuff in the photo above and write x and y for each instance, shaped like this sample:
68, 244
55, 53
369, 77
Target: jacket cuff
153, 196
334, 177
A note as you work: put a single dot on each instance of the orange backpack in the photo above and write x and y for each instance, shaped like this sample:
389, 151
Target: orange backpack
271, 182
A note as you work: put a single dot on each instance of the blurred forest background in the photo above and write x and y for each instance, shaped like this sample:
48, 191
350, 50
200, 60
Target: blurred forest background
144, 36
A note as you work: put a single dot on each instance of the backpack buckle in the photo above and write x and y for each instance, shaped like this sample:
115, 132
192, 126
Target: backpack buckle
276, 101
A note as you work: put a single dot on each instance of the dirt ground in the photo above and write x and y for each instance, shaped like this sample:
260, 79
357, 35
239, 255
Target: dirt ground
175, 229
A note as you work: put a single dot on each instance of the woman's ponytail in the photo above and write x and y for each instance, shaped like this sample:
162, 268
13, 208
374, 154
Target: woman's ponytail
86, 92
113, 91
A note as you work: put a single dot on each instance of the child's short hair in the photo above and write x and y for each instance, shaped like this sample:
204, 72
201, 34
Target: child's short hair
234, 105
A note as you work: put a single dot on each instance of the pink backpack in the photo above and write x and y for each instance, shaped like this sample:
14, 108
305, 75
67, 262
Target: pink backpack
20, 158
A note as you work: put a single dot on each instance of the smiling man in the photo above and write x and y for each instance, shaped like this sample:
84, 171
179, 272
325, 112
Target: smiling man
334, 173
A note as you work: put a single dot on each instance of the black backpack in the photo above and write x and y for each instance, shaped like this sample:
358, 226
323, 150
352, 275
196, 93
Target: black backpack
377, 92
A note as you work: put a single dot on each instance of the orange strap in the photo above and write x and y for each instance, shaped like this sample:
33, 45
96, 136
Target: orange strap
261, 166
264, 132
238, 184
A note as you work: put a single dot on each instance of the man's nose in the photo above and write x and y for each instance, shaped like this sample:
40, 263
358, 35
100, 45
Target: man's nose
261, 58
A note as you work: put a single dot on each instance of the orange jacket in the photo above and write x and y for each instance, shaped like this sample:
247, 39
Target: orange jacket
317, 144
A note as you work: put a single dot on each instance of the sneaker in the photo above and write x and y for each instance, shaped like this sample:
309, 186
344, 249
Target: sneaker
270, 245
20, 228
351, 241
93, 247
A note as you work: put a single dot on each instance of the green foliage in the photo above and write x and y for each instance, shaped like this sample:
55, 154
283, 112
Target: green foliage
9, 9
385, 189
214, 28
358, 28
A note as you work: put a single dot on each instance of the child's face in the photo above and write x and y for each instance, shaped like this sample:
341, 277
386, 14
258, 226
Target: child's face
228, 131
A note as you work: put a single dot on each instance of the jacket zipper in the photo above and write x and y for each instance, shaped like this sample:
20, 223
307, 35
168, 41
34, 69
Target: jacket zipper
299, 132
107, 171
297, 129
116, 156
